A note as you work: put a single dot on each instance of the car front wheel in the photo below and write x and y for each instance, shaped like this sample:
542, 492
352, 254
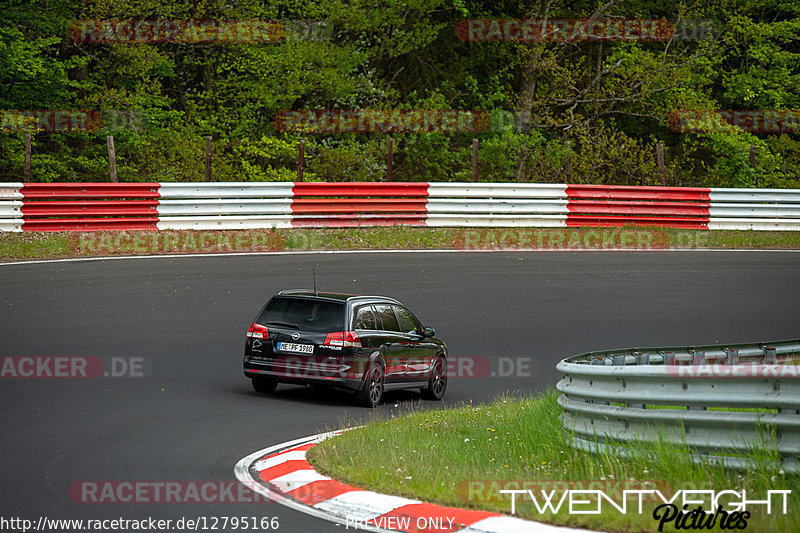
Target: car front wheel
437, 382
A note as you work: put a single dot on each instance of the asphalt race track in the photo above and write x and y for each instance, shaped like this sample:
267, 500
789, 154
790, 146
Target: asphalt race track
193, 414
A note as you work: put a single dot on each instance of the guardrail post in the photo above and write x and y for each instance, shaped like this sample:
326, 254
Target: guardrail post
301, 155
642, 358
618, 360
27, 173
769, 356
732, 357
669, 358
698, 358
112, 158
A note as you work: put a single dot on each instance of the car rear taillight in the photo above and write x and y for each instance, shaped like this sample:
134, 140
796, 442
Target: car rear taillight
348, 339
257, 331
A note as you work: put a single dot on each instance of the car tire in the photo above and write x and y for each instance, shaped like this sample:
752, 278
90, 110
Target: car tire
372, 392
437, 382
264, 385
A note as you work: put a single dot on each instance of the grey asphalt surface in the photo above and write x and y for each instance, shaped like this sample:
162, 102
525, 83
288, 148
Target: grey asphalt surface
194, 415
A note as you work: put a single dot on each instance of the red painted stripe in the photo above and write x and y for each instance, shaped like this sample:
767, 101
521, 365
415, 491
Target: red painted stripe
301, 448
619, 192
360, 189
358, 205
89, 224
90, 190
89, 207
320, 491
672, 222
588, 207
430, 518
353, 221
287, 467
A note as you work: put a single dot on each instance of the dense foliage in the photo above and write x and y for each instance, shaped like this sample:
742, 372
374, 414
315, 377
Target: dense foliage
583, 111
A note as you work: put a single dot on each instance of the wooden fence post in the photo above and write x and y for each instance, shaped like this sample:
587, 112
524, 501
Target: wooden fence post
475, 160
662, 170
753, 163
208, 158
569, 161
27, 175
389, 155
301, 155
112, 159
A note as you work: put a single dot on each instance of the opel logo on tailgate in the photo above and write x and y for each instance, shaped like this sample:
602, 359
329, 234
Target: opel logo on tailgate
295, 335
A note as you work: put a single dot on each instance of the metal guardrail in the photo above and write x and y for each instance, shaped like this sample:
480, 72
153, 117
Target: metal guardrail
10, 207
673, 395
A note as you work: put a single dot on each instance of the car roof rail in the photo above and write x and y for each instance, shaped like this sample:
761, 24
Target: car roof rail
368, 297
295, 291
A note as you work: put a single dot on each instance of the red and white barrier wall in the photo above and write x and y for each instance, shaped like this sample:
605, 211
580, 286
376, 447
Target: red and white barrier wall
249, 205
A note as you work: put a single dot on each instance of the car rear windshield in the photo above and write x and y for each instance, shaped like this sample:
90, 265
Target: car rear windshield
304, 314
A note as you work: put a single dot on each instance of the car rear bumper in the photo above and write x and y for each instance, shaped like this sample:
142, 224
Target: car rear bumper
306, 375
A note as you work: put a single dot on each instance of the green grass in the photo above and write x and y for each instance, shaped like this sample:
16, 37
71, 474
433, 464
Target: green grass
32, 245
463, 456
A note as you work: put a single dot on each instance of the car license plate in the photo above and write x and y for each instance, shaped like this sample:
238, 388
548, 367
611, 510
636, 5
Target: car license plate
291, 347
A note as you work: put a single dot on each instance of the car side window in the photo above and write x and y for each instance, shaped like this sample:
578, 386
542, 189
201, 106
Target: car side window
408, 322
386, 317
365, 318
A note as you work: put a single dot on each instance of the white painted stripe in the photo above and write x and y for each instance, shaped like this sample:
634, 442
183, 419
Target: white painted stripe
222, 222
497, 190
363, 505
510, 524
754, 210
499, 206
757, 224
226, 206
11, 224
279, 459
437, 220
754, 195
10, 190
233, 189
298, 478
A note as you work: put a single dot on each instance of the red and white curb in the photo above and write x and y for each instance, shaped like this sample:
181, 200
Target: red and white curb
282, 474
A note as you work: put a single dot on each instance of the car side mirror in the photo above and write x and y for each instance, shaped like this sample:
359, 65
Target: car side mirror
428, 332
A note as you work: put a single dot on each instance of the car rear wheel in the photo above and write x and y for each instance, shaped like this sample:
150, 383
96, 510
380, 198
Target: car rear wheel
372, 392
437, 383
264, 385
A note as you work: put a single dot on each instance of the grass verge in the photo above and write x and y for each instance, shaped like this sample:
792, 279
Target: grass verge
54, 245
463, 456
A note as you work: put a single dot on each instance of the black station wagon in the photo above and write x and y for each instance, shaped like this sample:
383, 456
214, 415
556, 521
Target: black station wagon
367, 344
